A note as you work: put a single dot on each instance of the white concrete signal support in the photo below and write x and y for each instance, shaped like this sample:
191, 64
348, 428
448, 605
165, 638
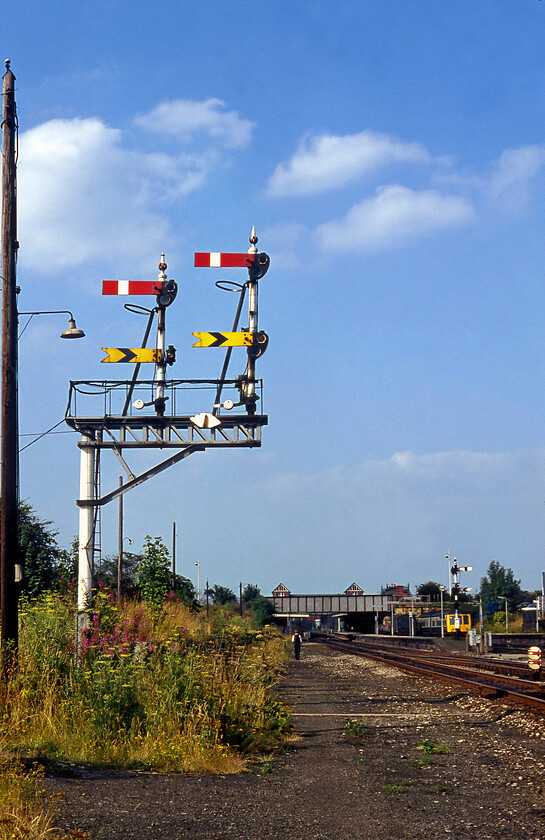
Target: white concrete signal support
86, 523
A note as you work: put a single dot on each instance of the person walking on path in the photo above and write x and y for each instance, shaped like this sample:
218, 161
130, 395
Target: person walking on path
296, 639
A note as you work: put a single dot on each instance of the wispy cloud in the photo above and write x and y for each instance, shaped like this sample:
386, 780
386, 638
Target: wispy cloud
187, 119
327, 161
83, 193
514, 173
394, 519
392, 217
505, 183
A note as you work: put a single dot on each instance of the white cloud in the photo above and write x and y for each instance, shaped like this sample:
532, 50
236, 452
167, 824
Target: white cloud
515, 170
186, 118
82, 194
393, 216
330, 161
506, 182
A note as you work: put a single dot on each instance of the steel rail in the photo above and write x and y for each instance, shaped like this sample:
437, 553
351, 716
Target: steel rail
526, 693
513, 669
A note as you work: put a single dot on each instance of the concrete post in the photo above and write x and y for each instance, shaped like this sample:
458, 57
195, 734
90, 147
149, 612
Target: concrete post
86, 526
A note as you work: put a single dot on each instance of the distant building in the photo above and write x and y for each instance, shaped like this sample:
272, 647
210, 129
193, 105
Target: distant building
348, 610
396, 592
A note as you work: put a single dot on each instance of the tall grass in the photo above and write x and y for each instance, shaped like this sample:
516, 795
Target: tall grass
23, 810
168, 691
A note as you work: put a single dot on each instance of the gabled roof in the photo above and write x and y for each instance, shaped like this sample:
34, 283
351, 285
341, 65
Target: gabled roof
281, 590
353, 589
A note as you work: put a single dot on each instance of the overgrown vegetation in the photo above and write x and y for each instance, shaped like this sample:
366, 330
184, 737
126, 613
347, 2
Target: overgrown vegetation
163, 689
23, 810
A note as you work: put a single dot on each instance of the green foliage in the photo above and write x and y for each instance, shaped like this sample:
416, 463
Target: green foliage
221, 595
145, 691
154, 575
250, 592
184, 589
355, 729
41, 557
442, 788
425, 761
261, 608
499, 581
129, 571
430, 748
430, 588
24, 811
397, 787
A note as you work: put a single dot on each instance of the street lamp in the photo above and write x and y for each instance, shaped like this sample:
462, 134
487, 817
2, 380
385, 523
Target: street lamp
447, 558
71, 332
198, 565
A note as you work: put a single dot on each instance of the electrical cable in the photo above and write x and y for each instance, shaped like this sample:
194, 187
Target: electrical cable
43, 434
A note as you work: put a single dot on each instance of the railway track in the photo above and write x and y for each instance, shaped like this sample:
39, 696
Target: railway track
508, 681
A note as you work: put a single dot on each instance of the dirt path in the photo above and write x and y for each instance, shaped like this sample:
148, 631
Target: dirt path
490, 785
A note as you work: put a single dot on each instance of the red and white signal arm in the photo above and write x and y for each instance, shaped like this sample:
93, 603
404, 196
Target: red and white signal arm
132, 287
534, 658
216, 259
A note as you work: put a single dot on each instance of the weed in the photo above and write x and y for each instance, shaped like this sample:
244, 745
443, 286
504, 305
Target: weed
425, 761
442, 789
397, 787
267, 767
431, 748
355, 729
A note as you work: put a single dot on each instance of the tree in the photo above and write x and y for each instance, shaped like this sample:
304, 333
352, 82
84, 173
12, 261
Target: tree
261, 608
221, 595
40, 556
130, 564
154, 575
431, 588
184, 589
499, 582
250, 592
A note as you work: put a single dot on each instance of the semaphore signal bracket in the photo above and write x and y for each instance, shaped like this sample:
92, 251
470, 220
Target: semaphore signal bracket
160, 413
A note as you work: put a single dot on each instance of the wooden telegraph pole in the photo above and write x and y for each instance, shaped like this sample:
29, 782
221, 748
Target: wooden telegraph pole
8, 472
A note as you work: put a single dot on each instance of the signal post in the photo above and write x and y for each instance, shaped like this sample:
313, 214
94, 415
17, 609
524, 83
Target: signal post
165, 422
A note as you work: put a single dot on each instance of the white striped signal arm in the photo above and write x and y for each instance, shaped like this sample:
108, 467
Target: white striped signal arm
218, 259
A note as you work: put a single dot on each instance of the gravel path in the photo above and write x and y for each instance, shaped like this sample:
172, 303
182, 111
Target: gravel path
489, 785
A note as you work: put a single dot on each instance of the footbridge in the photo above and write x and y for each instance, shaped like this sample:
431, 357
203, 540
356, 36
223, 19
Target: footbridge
349, 610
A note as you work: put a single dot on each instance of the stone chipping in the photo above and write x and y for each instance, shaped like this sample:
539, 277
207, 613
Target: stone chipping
377, 755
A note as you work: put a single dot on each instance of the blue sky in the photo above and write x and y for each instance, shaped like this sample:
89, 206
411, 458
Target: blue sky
391, 156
